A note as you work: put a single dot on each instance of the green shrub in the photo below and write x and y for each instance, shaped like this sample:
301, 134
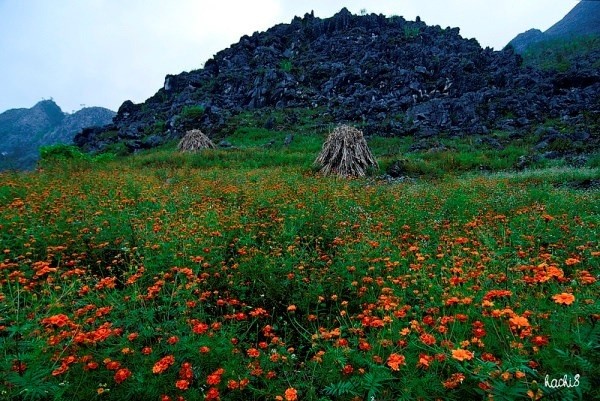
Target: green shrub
411, 32
285, 65
118, 149
61, 152
192, 112
62, 155
157, 128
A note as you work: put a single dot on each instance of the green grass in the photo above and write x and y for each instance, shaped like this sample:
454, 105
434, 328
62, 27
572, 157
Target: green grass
257, 147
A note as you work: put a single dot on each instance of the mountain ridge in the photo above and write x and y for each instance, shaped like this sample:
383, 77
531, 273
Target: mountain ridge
581, 20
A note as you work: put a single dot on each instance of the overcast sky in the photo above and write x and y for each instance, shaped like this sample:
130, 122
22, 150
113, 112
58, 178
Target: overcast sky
103, 52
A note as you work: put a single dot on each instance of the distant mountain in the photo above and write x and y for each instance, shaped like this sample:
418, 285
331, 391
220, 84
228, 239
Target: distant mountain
582, 20
24, 131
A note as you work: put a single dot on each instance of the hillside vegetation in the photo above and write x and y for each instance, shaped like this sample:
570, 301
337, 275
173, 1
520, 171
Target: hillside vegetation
563, 54
241, 274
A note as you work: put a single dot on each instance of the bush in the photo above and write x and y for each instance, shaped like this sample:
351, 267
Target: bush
192, 112
59, 155
61, 152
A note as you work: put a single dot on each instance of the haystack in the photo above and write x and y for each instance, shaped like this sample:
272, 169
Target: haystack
195, 140
345, 153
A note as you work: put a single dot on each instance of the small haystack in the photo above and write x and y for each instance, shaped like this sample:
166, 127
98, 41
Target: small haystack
345, 153
194, 140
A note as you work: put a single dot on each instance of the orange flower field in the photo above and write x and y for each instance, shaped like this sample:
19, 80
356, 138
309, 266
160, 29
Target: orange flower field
137, 281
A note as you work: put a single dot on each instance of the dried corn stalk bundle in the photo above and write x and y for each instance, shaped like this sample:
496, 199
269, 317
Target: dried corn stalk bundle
195, 140
345, 153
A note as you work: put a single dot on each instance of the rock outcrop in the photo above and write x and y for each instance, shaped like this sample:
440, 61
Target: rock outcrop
391, 76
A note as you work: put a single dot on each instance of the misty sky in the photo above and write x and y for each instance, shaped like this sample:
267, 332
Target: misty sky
103, 52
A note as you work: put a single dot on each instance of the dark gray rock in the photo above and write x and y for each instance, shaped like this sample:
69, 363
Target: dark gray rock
525, 162
153, 141
399, 168
577, 161
392, 76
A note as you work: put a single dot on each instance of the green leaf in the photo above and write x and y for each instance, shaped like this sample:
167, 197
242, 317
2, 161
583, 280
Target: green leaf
341, 388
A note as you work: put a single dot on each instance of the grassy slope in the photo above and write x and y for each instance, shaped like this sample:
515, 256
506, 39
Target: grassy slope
561, 54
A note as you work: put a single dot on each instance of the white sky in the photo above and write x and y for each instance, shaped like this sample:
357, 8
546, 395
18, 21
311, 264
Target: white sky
103, 52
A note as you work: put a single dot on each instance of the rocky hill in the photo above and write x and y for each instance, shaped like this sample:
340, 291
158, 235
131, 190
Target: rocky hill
390, 75
582, 20
24, 131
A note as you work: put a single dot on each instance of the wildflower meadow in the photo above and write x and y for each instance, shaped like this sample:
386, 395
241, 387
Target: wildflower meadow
225, 276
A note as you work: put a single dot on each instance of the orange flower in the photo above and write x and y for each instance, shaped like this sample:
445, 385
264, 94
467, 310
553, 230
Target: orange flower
200, 328
585, 277
519, 321
111, 365
291, 394
121, 375
163, 364
539, 340
454, 381
427, 339
253, 353
424, 361
395, 360
182, 384
496, 294
535, 396
19, 367
547, 217
553, 271
564, 298
212, 394
462, 354
347, 369
364, 345
213, 379
572, 261
186, 372
59, 320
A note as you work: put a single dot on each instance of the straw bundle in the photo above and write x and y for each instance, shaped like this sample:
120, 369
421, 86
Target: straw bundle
345, 153
195, 140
